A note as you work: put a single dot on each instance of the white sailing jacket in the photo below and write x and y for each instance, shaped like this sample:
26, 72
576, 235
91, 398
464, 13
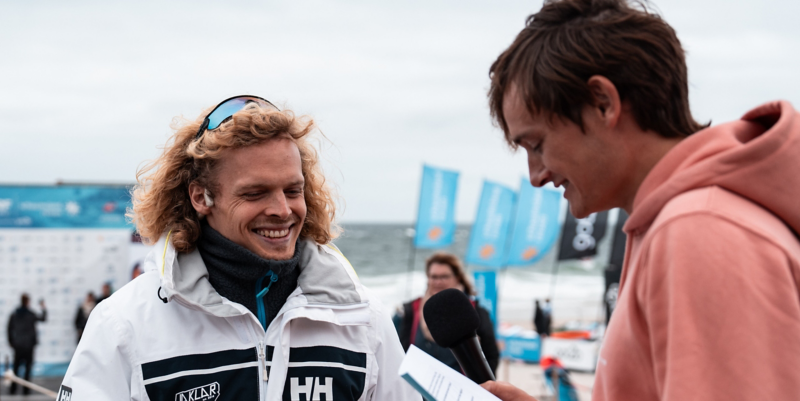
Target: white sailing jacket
168, 335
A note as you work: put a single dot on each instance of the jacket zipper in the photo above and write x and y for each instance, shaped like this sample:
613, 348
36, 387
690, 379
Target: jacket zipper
261, 351
263, 360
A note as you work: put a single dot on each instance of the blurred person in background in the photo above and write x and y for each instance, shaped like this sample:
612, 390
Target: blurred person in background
105, 292
539, 319
596, 92
244, 296
82, 315
136, 271
444, 271
22, 337
547, 311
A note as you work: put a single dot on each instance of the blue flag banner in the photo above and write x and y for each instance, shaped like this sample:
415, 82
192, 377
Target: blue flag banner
79, 206
536, 225
486, 287
488, 238
436, 221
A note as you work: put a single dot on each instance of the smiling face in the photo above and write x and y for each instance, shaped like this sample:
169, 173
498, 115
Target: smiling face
259, 203
588, 165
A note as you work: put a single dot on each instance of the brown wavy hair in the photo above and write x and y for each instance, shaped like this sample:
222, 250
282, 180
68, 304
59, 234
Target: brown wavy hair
569, 41
161, 200
455, 265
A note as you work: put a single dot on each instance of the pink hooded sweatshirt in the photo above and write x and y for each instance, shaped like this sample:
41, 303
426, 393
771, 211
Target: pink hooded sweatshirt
709, 301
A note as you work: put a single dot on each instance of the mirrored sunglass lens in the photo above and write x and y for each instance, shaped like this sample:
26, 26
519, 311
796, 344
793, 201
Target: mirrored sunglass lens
224, 111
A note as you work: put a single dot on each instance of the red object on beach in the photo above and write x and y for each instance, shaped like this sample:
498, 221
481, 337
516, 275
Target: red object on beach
573, 334
548, 361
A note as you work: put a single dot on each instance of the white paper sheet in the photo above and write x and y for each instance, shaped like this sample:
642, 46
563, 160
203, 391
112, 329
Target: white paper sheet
437, 381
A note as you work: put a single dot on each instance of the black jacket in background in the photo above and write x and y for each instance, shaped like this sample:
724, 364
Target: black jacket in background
485, 333
540, 321
22, 328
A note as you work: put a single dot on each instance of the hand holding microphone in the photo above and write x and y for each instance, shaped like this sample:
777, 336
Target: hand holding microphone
453, 323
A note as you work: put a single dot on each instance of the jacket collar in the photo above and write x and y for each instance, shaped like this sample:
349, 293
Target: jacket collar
326, 279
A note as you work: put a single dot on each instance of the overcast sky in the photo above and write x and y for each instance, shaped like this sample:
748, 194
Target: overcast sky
88, 89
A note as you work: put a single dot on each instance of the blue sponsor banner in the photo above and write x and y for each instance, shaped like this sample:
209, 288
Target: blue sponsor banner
486, 288
523, 347
487, 241
78, 206
536, 225
436, 221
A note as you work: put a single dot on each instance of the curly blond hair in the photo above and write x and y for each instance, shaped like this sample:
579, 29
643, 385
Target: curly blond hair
161, 200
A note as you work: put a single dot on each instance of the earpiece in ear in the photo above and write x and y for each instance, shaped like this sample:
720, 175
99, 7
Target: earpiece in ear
207, 196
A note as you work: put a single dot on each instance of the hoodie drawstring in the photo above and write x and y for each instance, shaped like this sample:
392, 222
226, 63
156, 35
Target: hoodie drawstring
262, 314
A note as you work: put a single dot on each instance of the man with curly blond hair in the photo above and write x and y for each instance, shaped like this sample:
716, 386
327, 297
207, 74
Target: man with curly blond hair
243, 297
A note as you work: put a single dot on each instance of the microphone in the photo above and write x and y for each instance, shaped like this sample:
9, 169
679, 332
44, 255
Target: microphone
453, 323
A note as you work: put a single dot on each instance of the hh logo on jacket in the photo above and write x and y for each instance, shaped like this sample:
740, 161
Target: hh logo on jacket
324, 373
313, 389
64, 394
209, 392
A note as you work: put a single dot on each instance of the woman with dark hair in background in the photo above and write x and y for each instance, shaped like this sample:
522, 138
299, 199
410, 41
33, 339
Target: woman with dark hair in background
444, 271
82, 316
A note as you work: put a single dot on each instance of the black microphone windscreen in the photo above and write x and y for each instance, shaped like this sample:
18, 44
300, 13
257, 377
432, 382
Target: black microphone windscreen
450, 317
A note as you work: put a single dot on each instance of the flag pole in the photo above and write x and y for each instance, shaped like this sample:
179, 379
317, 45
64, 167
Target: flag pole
557, 262
412, 251
412, 258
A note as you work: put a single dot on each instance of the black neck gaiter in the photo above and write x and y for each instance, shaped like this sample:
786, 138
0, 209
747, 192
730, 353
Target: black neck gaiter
235, 271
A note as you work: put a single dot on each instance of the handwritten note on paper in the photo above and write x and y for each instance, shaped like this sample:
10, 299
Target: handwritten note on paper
437, 381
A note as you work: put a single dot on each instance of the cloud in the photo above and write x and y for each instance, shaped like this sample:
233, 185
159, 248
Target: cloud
89, 88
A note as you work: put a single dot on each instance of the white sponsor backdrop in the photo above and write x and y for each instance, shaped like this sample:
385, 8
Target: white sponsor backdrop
60, 266
573, 354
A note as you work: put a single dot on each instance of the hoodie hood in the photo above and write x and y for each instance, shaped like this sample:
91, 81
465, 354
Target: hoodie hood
757, 157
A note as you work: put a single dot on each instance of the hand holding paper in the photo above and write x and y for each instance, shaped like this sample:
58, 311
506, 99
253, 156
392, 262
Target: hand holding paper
437, 381
506, 391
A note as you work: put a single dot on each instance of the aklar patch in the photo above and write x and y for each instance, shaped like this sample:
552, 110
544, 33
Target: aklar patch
209, 392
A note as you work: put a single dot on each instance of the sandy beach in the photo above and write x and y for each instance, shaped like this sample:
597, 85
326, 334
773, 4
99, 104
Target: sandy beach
530, 378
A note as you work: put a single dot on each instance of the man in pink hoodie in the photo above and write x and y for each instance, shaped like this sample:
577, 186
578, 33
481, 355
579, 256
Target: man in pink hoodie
709, 305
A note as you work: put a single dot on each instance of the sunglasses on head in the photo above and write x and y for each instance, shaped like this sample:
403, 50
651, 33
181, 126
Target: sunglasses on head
226, 110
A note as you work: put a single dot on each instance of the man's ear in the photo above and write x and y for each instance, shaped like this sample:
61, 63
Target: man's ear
201, 199
606, 100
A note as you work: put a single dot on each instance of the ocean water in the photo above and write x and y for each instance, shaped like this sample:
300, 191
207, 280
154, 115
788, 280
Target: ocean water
386, 262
